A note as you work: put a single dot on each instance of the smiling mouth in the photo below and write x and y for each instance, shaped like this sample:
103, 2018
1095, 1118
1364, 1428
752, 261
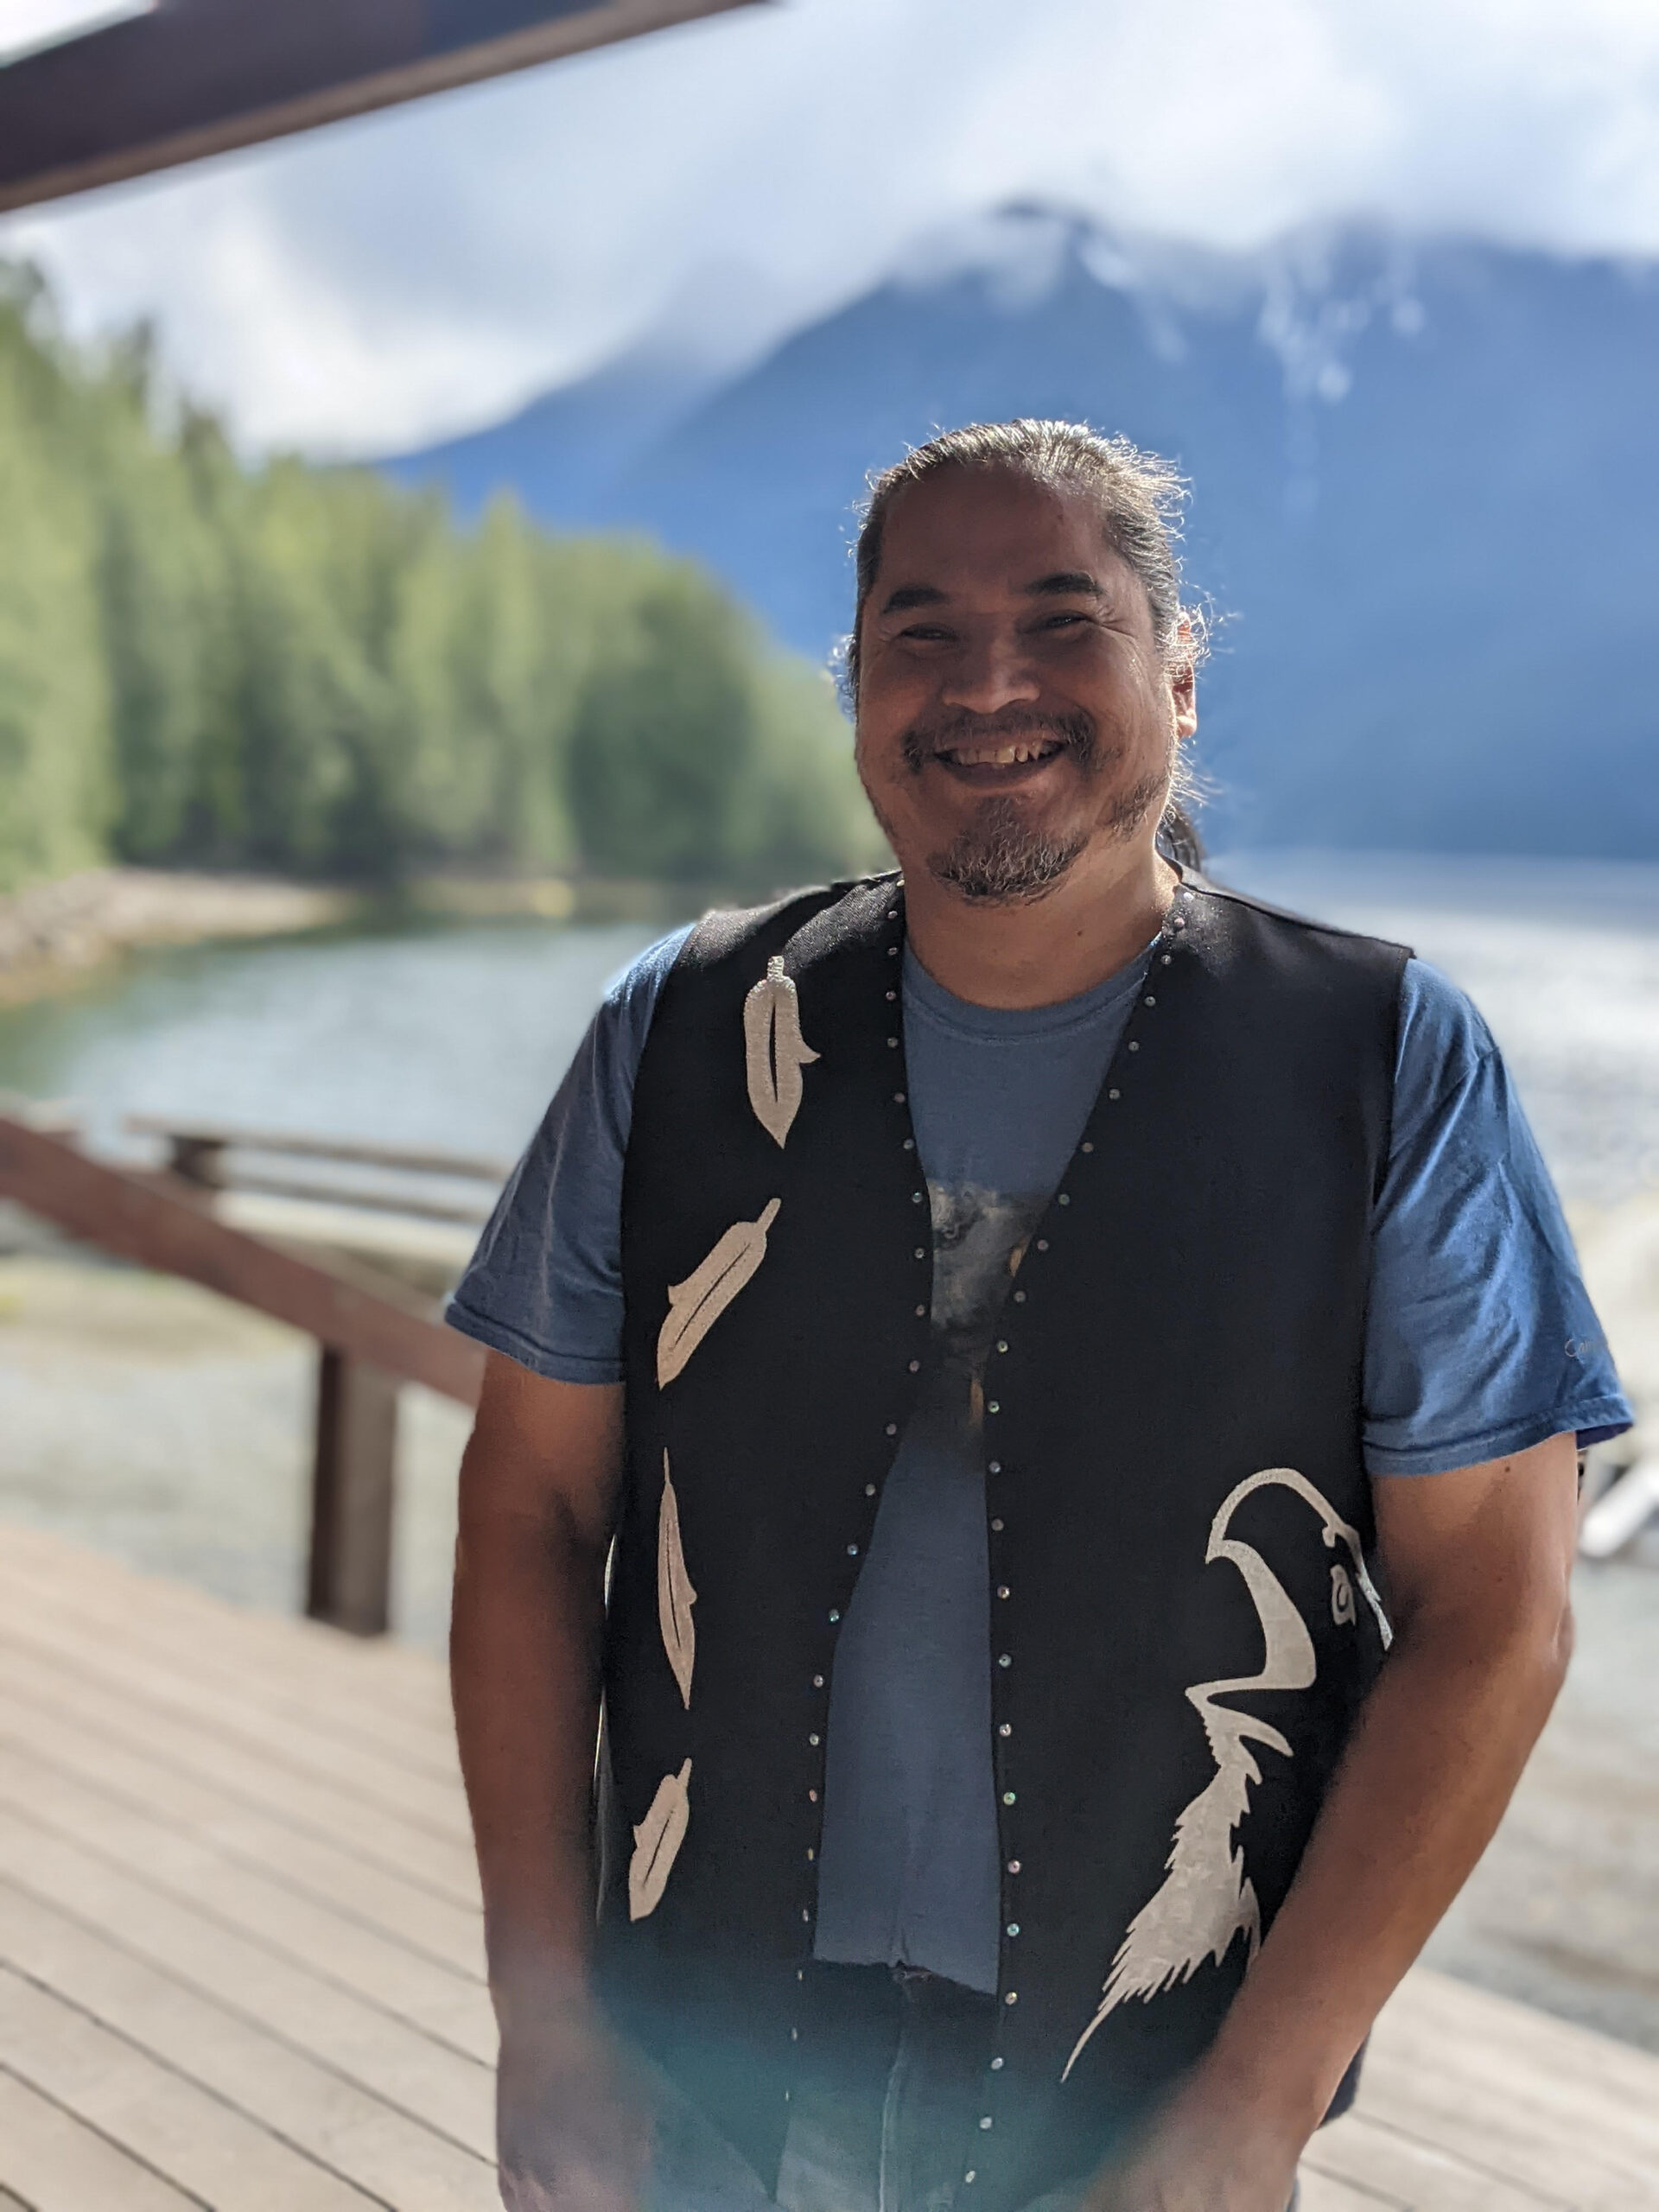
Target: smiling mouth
999, 760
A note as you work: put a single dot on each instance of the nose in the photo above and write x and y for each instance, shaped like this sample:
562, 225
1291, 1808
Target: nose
989, 671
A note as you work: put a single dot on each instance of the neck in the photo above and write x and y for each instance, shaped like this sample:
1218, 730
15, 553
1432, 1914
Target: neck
1106, 908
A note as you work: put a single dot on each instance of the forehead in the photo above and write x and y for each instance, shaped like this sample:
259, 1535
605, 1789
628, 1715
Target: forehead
967, 531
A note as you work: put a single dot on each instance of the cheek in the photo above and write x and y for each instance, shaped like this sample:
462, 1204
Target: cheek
882, 721
877, 755
1117, 680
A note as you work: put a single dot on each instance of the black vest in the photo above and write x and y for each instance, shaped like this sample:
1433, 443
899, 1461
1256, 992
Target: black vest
1183, 1623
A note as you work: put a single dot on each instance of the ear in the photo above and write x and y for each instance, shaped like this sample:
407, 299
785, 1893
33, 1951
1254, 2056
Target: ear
1183, 680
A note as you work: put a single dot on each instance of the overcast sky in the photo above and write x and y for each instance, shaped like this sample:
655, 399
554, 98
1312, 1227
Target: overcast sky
373, 284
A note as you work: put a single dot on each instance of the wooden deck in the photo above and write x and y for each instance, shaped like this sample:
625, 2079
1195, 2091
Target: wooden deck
240, 1963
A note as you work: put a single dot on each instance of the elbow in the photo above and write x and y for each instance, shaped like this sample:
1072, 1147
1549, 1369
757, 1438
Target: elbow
1557, 1638
1548, 1627
1538, 1649
1534, 1655
1522, 1651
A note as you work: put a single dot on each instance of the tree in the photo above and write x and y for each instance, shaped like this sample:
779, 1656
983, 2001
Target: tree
56, 796
313, 672
664, 752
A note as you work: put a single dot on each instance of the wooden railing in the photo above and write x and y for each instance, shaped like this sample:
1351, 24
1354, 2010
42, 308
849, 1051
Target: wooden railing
371, 1335
427, 1184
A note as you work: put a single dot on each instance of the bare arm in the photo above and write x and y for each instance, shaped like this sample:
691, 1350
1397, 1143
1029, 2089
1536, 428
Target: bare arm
538, 1490
1477, 1564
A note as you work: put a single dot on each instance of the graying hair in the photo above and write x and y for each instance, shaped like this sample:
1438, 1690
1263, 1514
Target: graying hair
1141, 498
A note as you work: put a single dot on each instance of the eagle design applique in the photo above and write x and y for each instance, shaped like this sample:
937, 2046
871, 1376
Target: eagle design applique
1206, 1899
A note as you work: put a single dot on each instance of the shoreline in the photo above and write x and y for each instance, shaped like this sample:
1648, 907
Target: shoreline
56, 936
53, 936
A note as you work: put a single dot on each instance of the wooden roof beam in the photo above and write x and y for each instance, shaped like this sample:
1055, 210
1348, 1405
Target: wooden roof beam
199, 77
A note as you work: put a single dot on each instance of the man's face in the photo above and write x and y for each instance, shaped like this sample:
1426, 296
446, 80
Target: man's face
1013, 709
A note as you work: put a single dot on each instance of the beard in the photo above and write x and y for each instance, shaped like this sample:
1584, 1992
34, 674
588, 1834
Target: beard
999, 857
1005, 855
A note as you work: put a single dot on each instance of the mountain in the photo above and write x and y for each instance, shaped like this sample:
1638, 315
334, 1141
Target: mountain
1426, 478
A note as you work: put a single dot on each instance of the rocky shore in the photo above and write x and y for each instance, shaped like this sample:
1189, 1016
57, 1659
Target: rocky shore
53, 932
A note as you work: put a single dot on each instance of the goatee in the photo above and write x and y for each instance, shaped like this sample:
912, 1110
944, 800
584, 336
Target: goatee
1000, 856
1003, 854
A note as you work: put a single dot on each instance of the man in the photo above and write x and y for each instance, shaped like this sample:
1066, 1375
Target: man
1016, 1628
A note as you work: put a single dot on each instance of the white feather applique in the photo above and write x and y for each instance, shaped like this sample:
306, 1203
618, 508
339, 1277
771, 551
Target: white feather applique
774, 1051
675, 1596
1207, 1900
657, 1842
697, 1304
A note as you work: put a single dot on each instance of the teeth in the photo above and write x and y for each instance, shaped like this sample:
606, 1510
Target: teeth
1016, 754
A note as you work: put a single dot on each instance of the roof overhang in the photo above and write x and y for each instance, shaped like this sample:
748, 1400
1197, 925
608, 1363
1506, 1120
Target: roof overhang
183, 78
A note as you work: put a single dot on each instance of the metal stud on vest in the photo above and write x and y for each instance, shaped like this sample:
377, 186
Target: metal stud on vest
1195, 1313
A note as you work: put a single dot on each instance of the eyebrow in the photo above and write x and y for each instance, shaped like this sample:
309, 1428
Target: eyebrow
1064, 583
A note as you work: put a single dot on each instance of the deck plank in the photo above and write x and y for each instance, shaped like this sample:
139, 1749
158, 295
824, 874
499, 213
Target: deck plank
204, 2147
240, 1772
1540, 2103
126, 1782
1322, 2192
241, 1959
380, 1784
40, 1874
55, 2163
1362, 2152
304, 1686
383, 1674
185, 1879
294, 2101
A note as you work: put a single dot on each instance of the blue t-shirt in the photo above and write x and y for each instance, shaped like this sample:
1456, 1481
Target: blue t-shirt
1480, 1341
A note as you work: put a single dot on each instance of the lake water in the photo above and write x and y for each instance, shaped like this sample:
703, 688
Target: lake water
456, 1038
1562, 958
452, 1037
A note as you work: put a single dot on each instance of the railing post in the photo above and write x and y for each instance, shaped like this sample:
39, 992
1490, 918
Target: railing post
349, 1579
198, 1159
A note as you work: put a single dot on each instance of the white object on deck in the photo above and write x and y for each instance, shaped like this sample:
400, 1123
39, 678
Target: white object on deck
1621, 1512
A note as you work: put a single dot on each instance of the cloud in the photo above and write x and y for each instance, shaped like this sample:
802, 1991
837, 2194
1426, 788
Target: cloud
384, 281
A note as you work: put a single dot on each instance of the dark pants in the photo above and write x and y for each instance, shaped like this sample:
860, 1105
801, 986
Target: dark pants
889, 2131
905, 2143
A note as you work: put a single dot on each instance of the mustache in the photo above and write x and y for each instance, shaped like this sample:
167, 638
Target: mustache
925, 741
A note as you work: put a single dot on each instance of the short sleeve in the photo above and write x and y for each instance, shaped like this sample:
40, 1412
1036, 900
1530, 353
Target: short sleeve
545, 1284
1481, 1338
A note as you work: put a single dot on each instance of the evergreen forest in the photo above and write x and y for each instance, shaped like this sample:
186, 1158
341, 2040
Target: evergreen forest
309, 671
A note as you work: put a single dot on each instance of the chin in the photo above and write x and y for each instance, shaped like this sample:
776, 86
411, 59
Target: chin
1004, 854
